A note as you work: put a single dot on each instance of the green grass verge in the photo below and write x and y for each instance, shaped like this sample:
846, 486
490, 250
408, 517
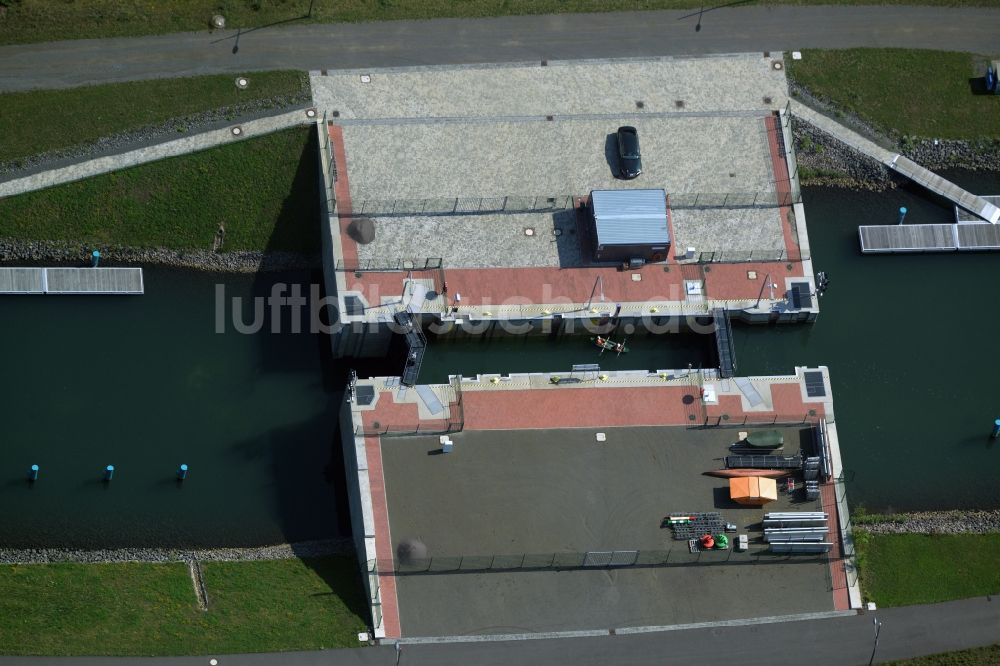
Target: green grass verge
904, 569
26, 21
92, 112
902, 91
265, 191
985, 656
150, 609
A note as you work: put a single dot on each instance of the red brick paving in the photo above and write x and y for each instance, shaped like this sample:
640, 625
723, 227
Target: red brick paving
838, 574
569, 407
383, 539
342, 191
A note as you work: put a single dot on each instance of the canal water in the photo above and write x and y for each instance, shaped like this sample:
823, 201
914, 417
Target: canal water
910, 341
146, 383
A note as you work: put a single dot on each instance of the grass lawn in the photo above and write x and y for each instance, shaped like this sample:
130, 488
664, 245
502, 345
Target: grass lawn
41, 20
150, 609
986, 656
91, 112
904, 569
910, 92
264, 190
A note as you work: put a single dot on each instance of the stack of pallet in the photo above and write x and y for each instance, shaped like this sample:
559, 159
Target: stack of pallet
797, 531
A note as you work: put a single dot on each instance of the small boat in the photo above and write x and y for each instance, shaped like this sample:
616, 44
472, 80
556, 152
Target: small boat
735, 473
604, 344
763, 439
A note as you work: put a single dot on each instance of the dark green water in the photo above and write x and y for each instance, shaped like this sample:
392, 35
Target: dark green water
909, 340
470, 357
145, 383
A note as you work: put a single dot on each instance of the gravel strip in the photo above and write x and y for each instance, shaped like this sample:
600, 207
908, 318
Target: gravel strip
283, 551
935, 522
223, 262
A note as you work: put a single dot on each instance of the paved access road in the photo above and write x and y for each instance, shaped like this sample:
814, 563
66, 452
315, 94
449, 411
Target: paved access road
842, 641
455, 41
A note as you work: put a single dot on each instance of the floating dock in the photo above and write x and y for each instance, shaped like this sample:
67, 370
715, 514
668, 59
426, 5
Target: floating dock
963, 216
887, 239
124, 281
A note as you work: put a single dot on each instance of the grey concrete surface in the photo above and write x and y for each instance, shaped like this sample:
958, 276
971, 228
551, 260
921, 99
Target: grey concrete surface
401, 43
843, 641
563, 157
662, 85
479, 241
732, 229
558, 239
159, 151
548, 491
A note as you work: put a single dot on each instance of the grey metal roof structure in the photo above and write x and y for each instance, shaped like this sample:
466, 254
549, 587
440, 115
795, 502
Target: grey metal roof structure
630, 217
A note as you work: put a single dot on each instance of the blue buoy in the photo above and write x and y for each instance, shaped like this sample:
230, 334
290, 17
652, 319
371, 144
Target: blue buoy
33, 473
182, 472
109, 472
996, 429
95, 258
902, 214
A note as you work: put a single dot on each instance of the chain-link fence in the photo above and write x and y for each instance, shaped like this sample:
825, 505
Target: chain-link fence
737, 256
680, 555
553, 203
732, 199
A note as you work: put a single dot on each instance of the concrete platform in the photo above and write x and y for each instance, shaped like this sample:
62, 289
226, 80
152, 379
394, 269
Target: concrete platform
557, 239
568, 156
543, 491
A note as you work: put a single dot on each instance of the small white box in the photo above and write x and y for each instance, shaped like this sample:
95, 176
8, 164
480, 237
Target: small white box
796, 55
601, 437
446, 446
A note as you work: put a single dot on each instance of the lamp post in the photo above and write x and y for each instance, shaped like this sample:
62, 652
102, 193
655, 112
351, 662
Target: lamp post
878, 627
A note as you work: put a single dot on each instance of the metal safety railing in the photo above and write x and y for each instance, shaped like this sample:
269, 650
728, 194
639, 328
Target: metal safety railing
677, 556
454, 422
737, 256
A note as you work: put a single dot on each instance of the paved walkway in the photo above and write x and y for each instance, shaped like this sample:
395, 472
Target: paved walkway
839, 641
188, 144
898, 163
517, 38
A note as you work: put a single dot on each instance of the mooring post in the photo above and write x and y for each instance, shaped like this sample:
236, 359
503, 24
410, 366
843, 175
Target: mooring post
33, 473
902, 214
182, 472
996, 429
109, 472
95, 258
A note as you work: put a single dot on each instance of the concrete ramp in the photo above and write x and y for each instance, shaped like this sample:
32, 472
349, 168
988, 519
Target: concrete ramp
935, 183
430, 399
902, 165
748, 391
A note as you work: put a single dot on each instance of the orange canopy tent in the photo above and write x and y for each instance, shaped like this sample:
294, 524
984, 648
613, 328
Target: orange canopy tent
753, 490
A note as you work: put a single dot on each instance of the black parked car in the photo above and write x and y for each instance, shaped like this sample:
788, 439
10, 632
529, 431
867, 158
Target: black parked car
629, 159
